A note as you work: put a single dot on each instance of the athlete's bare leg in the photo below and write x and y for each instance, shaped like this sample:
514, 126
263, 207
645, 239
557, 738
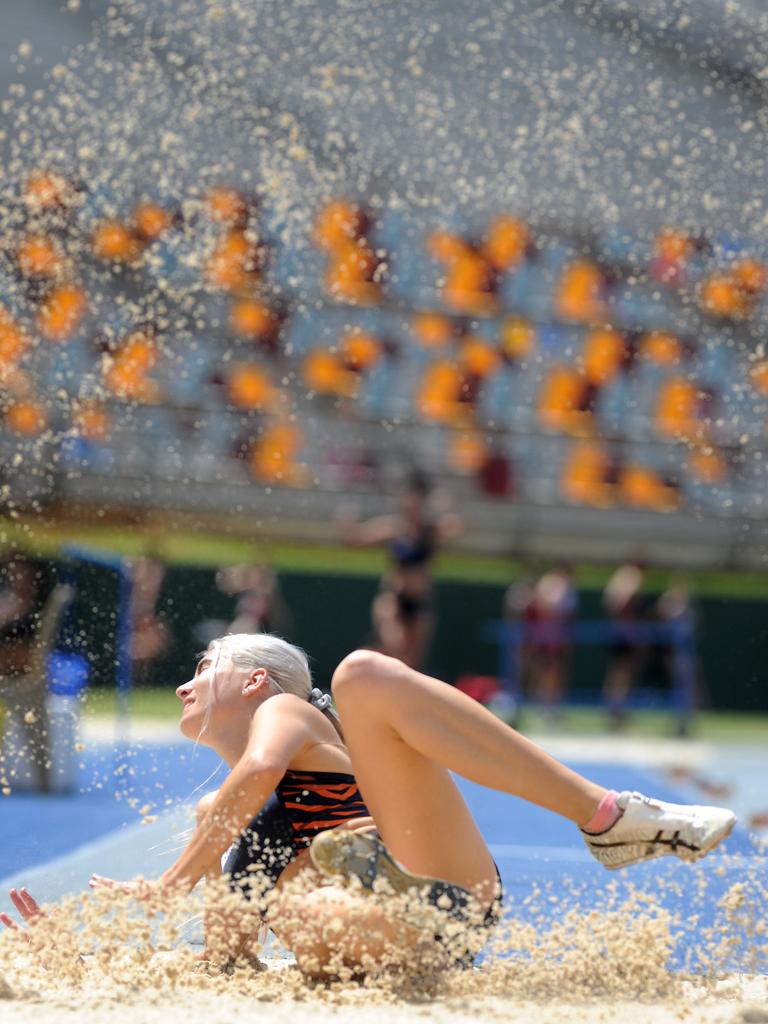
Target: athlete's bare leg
405, 731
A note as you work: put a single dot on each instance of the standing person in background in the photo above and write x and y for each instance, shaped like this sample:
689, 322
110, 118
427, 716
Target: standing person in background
553, 605
517, 609
150, 635
675, 611
260, 605
21, 583
623, 605
402, 613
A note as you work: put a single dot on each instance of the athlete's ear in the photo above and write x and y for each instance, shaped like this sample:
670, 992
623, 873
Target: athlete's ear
255, 681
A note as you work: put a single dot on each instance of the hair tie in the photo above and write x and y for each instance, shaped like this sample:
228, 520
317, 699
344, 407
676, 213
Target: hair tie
319, 700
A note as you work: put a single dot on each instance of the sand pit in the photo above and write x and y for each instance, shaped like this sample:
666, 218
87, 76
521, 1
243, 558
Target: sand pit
608, 964
738, 999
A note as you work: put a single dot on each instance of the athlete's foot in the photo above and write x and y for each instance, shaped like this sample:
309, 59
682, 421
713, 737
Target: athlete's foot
651, 828
362, 856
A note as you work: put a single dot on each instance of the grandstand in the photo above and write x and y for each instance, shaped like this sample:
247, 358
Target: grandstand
537, 372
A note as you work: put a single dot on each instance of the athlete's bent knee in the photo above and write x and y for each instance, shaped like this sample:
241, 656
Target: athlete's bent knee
359, 667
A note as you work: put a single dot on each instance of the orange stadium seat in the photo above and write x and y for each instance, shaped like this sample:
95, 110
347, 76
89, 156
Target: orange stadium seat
468, 284
351, 271
360, 350
233, 264
251, 388
13, 341
151, 221
517, 337
337, 224
706, 465
91, 421
324, 373
26, 417
584, 476
38, 256
477, 357
560, 401
433, 330
642, 487
446, 247
676, 408
113, 241
439, 396
226, 206
505, 243
47, 190
722, 295
250, 318
751, 275
580, 291
758, 376
274, 456
61, 312
604, 352
672, 245
128, 375
661, 348
467, 452
672, 249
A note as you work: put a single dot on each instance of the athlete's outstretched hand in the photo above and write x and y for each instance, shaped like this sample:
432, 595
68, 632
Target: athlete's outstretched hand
100, 882
153, 895
28, 908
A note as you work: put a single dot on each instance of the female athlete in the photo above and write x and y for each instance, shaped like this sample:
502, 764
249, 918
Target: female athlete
306, 792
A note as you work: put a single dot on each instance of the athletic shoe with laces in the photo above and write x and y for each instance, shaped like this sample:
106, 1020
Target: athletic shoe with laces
651, 828
362, 855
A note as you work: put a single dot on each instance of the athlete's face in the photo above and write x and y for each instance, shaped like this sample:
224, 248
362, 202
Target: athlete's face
208, 694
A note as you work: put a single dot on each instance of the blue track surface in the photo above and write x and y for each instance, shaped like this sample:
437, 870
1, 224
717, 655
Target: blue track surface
533, 848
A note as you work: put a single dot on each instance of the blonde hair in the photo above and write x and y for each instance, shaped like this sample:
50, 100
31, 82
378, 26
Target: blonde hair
287, 666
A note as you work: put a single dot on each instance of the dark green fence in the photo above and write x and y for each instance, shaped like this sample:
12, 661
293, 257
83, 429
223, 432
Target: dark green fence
331, 616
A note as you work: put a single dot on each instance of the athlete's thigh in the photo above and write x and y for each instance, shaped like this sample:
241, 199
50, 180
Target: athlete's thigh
419, 812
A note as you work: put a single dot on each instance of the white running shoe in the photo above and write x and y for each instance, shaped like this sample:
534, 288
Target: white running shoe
651, 828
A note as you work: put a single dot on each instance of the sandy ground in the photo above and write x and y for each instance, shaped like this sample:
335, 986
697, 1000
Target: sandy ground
737, 1000
488, 993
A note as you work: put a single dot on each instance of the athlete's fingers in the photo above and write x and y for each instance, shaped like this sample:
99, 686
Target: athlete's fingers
100, 882
9, 922
31, 904
22, 905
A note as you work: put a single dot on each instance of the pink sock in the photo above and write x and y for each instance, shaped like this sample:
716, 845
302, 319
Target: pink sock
607, 814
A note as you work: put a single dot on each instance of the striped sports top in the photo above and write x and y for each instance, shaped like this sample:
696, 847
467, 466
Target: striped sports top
303, 804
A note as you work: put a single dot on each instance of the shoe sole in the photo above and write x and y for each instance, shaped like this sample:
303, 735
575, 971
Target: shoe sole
657, 850
337, 852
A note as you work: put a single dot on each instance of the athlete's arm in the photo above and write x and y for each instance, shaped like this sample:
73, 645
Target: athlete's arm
377, 530
280, 731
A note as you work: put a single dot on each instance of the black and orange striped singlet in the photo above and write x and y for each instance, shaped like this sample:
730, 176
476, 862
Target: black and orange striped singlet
303, 804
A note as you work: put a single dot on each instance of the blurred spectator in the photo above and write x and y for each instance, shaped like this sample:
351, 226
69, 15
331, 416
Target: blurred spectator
674, 609
150, 634
22, 592
517, 609
624, 607
260, 606
551, 610
403, 613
